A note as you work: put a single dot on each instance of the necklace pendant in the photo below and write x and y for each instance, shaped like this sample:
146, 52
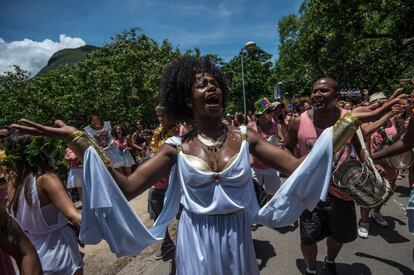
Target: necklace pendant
216, 178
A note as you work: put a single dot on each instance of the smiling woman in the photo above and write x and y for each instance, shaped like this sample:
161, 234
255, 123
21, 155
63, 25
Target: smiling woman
210, 176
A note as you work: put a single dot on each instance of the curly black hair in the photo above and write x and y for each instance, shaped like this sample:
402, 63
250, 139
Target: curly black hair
178, 80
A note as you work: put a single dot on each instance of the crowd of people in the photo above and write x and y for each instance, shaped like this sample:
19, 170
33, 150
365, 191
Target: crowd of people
214, 172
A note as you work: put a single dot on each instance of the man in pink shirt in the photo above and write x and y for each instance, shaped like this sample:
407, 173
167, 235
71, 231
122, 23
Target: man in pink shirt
334, 218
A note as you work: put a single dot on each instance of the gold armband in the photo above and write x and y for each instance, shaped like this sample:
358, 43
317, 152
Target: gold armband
343, 129
81, 141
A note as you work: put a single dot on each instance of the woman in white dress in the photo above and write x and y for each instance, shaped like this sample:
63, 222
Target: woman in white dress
43, 209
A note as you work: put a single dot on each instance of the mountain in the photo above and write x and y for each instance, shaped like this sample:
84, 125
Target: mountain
67, 56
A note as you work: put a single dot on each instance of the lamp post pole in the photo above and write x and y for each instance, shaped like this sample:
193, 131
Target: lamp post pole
249, 44
244, 89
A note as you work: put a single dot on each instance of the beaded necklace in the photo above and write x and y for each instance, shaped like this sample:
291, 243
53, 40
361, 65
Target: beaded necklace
213, 147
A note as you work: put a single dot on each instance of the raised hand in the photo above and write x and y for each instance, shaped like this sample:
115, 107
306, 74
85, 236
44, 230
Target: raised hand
375, 111
62, 132
406, 81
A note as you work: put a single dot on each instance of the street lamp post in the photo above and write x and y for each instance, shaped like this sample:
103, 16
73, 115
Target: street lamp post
248, 45
277, 93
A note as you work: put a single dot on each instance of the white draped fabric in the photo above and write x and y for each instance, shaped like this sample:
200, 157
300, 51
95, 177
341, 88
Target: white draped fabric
214, 231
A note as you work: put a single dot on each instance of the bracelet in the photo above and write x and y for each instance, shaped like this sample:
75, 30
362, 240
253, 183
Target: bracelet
80, 141
343, 129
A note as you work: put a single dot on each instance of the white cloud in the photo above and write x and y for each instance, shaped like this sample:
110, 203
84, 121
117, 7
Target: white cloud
33, 55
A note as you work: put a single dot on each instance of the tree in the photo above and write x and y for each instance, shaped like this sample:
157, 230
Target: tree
13, 95
120, 82
257, 72
361, 43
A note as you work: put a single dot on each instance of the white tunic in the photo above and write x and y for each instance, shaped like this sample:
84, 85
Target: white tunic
214, 232
50, 234
104, 139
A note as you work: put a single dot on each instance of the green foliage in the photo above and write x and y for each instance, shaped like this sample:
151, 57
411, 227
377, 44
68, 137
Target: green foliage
120, 82
42, 154
13, 95
257, 73
361, 43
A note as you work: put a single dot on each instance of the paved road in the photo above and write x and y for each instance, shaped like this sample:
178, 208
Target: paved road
387, 251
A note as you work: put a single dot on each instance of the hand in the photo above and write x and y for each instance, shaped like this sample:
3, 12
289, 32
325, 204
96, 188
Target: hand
375, 111
380, 169
63, 132
406, 81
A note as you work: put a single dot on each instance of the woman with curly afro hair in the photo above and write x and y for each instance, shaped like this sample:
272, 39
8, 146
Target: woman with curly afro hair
210, 176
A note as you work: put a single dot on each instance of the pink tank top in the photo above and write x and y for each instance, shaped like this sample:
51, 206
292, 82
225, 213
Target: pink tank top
122, 144
308, 133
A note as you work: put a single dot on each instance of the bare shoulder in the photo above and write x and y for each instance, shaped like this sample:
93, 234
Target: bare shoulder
48, 179
168, 150
236, 133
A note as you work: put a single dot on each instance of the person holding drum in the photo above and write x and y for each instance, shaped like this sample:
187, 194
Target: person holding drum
334, 218
402, 145
381, 133
405, 143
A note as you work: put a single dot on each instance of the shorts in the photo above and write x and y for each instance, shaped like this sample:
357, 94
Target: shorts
155, 202
333, 218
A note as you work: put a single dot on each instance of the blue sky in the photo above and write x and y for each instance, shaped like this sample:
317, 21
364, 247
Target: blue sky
220, 27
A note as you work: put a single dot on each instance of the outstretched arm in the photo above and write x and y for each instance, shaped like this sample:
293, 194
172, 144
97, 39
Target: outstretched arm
143, 178
402, 145
371, 127
272, 155
148, 173
15, 243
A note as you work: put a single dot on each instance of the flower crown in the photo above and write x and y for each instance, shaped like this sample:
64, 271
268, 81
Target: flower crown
42, 153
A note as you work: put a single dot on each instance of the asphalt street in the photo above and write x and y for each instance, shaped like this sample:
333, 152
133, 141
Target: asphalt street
387, 251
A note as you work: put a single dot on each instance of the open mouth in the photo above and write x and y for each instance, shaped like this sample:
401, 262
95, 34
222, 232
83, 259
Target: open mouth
213, 100
318, 103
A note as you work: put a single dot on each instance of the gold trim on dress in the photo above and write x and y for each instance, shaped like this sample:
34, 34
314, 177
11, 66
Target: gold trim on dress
81, 141
343, 129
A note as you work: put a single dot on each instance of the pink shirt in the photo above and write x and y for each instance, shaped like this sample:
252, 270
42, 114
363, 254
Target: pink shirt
122, 144
308, 133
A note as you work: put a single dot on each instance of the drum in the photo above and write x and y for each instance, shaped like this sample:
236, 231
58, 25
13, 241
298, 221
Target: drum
401, 161
359, 180
273, 139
